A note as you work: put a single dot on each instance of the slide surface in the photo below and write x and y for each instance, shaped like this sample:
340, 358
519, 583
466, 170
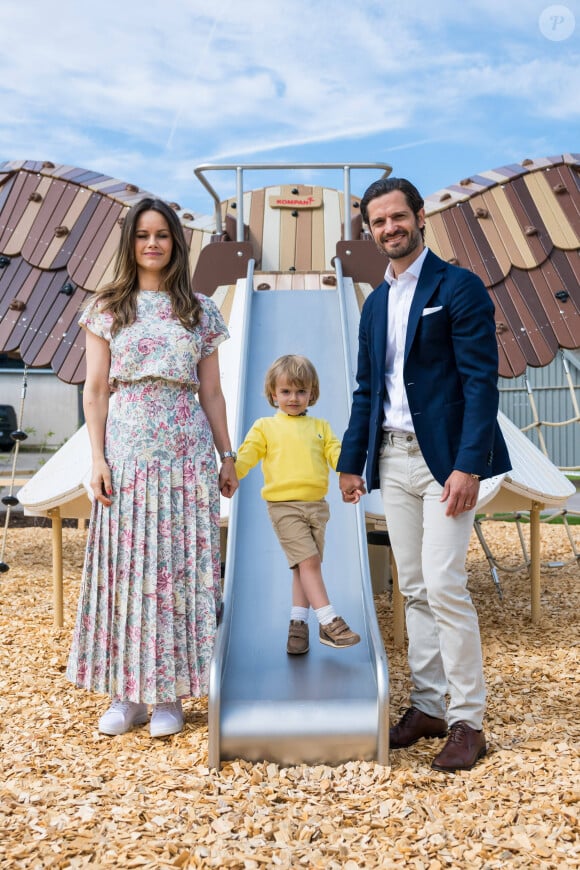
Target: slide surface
329, 705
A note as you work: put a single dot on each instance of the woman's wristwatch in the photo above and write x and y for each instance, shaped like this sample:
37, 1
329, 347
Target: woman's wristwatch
228, 454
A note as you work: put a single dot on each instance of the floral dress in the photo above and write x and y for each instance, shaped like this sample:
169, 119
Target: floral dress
151, 590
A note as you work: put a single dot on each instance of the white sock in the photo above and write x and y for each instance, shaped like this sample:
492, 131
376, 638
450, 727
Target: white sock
326, 614
300, 614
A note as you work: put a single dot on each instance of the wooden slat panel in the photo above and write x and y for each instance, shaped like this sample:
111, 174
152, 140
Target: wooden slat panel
303, 258
59, 249
481, 257
223, 297
542, 306
256, 224
513, 358
58, 326
17, 281
528, 215
563, 273
549, 206
7, 182
38, 293
437, 237
98, 223
538, 347
563, 317
55, 204
69, 360
318, 249
332, 226
511, 231
298, 281
103, 269
271, 233
495, 232
19, 213
288, 229
81, 235
195, 241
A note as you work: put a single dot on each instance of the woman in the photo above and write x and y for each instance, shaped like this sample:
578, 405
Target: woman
151, 592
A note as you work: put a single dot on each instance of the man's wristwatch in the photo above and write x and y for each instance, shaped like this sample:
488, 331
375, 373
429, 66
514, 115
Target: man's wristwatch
475, 476
228, 454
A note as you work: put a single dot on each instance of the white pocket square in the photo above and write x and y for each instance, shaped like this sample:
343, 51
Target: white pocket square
431, 310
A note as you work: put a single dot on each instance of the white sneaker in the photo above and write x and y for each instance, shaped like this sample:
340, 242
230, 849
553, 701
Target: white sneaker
166, 719
121, 716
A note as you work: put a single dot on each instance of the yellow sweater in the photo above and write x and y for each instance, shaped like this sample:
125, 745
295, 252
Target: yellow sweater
295, 453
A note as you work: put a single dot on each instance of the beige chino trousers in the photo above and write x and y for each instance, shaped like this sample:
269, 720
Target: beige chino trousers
430, 550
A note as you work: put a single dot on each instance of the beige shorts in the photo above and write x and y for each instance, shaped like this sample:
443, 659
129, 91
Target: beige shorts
300, 527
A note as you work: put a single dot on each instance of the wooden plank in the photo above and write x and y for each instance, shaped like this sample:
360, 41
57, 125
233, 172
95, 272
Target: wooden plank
437, 237
303, 259
195, 245
104, 261
332, 225
318, 249
288, 231
495, 236
512, 358
57, 200
478, 246
21, 285
256, 224
511, 231
56, 245
81, 238
528, 215
297, 281
224, 299
20, 213
563, 318
51, 325
271, 234
549, 206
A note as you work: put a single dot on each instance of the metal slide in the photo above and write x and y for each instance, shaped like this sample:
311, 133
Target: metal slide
330, 705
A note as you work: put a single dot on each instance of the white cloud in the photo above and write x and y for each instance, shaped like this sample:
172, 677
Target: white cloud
143, 91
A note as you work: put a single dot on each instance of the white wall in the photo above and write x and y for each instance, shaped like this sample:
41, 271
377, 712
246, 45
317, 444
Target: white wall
50, 406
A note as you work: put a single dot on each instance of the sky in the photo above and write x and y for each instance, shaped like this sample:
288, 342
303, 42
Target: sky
146, 91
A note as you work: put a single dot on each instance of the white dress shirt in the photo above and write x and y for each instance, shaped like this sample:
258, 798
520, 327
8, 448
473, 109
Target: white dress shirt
396, 406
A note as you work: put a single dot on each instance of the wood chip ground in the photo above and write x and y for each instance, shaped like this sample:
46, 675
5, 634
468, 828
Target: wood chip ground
72, 798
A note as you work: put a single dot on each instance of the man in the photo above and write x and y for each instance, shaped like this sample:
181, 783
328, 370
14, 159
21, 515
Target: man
424, 420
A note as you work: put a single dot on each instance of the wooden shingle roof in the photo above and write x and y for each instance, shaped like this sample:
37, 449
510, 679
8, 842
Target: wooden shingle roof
518, 227
59, 232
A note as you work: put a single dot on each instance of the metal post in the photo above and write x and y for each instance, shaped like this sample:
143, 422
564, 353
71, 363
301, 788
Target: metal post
240, 204
347, 234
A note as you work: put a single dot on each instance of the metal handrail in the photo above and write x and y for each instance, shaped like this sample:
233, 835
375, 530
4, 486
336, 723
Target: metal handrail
239, 168
380, 657
223, 632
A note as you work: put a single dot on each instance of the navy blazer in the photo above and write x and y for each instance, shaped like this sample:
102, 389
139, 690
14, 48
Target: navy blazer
450, 375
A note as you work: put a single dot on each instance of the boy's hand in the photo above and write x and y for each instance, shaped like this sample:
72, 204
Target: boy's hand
352, 487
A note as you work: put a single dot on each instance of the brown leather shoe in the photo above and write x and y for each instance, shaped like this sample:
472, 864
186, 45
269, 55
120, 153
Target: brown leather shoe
412, 726
463, 749
297, 638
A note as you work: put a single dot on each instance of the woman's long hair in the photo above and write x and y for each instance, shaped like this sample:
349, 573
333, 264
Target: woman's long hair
119, 297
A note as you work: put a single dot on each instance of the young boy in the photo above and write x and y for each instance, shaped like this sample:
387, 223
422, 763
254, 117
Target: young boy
296, 451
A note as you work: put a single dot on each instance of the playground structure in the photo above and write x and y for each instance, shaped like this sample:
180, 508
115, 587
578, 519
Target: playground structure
290, 267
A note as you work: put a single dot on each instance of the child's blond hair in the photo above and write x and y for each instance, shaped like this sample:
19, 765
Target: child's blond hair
298, 371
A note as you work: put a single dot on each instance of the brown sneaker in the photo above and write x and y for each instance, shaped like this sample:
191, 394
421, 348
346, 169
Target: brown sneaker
338, 634
463, 749
297, 638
